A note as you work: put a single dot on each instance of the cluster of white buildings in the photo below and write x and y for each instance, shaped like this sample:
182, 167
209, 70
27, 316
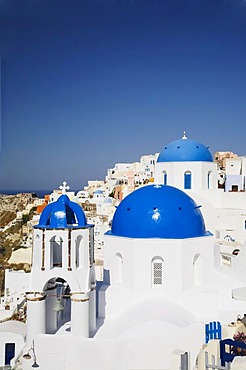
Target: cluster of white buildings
174, 258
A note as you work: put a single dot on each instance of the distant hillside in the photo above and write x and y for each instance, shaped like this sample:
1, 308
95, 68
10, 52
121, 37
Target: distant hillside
10, 205
10, 232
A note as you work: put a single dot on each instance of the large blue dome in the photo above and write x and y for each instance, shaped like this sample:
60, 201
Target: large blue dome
158, 211
185, 150
62, 214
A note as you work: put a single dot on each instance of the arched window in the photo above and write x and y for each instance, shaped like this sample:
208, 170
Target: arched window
79, 251
56, 251
187, 180
210, 180
197, 269
118, 268
164, 177
157, 271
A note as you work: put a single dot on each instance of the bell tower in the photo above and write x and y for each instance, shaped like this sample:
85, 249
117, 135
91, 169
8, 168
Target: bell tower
61, 294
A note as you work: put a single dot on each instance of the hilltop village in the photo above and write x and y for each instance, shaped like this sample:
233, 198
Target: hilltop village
142, 270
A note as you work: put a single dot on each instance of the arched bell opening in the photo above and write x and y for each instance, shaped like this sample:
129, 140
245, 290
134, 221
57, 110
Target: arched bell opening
56, 249
57, 306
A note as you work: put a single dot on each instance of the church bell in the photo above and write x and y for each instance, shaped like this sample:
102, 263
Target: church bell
58, 306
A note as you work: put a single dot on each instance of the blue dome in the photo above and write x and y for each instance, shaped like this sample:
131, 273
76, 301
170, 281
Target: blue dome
185, 150
62, 214
108, 200
98, 192
158, 211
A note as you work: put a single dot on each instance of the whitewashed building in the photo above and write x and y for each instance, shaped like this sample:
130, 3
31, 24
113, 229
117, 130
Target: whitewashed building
162, 283
164, 275
235, 174
188, 165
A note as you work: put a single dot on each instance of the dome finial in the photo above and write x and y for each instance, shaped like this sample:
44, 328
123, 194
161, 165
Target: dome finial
64, 187
184, 136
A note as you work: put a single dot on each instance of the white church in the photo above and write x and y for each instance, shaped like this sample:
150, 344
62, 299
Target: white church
164, 277
188, 165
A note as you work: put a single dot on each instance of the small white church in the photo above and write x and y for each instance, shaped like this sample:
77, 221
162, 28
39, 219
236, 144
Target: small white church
163, 278
188, 165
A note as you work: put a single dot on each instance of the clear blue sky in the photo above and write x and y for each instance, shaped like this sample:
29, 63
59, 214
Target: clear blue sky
89, 83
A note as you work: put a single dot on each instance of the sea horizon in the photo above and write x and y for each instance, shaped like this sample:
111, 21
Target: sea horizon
40, 193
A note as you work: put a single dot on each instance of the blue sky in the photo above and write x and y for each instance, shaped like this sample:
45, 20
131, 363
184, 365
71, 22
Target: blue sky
89, 83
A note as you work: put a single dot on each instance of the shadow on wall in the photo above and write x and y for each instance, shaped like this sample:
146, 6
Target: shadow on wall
101, 287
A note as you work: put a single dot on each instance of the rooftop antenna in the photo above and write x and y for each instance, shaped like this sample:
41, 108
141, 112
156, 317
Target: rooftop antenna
184, 136
64, 187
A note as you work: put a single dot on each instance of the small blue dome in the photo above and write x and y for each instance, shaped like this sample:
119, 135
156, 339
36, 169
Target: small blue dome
185, 150
158, 211
62, 214
98, 191
108, 200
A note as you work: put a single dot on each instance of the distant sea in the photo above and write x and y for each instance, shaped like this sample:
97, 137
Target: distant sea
39, 193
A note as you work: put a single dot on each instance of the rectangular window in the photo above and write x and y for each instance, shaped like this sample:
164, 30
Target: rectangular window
157, 273
226, 261
9, 352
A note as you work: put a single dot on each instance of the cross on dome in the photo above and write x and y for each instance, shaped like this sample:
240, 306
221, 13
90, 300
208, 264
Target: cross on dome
64, 187
184, 136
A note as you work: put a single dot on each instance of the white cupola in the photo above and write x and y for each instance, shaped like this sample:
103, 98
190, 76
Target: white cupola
186, 164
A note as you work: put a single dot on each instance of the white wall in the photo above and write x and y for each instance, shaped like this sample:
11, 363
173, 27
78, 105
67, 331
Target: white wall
175, 174
136, 257
231, 219
234, 180
233, 166
16, 282
11, 332
7, 337
236, 265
